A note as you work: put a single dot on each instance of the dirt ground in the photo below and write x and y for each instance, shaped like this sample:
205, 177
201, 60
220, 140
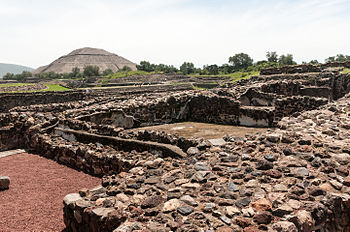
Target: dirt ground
204, 130
38, 185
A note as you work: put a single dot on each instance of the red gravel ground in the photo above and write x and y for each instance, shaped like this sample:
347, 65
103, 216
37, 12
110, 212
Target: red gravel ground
37, 188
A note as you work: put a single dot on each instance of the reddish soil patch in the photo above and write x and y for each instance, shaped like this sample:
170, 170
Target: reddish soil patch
38, 185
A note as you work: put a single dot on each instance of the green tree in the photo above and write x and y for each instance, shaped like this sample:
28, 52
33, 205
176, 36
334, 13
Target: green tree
9, 76
67, 75
272, 57
126, 69
107, 72
340, 58
170, 69
226, 69
240, 61
146, 66
211, 69
330, 59
90, 71
75, 71
165, 68
187, 68
286, 60
314, 62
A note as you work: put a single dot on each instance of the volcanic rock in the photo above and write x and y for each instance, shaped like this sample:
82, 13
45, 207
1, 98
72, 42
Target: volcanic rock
4, 182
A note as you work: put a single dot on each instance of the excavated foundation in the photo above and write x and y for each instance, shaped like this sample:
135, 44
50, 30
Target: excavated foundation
293, 176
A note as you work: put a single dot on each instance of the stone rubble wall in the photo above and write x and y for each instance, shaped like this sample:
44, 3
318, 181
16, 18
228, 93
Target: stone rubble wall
200, 108
289, 179
162, 137
303, 68
9, 101
256, 116
10, 139
76, 149
143, 135
123, 144
289, 106
12, 100
292, 178
255, 97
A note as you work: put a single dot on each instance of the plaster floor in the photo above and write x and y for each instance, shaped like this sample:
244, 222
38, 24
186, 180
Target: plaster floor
204, 130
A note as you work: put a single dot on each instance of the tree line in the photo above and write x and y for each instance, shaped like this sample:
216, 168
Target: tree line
237, 62
88, 71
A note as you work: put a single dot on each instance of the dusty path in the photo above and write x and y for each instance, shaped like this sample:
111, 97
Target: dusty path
34, 201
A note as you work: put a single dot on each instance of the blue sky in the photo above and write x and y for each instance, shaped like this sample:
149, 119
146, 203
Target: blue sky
36, 32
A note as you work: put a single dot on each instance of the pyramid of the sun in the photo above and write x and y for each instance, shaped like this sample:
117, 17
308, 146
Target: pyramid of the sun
83, 57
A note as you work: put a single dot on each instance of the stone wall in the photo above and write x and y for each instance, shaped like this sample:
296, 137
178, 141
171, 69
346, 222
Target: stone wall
254, 97
199, 108
340, 85
256, 116
80, 150
285, 88
9, 101
291, 105
10, 139
290, 179
304, 68
120, 143
162, 137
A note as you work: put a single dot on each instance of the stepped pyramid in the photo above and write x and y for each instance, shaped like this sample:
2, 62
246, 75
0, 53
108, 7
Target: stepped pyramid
87, 56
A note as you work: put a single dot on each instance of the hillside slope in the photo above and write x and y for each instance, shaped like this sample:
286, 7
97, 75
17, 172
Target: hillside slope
12, 68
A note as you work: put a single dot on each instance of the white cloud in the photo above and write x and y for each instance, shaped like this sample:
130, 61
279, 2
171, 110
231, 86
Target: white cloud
172, 31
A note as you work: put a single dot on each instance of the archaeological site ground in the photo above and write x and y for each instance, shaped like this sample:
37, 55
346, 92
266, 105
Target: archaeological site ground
266, 153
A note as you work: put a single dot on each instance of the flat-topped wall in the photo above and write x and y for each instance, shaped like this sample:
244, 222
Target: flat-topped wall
304, 68
11, 100
198, 108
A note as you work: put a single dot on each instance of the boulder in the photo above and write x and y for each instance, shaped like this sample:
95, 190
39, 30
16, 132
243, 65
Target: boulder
4, 182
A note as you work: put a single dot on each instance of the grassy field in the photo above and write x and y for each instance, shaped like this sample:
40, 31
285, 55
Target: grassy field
53, 87
122, 74
50, 87
129, 73
236, 76
243, 75
345, 71
14, 84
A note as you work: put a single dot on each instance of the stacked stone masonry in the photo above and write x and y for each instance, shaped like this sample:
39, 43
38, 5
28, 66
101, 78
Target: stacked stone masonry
295, 177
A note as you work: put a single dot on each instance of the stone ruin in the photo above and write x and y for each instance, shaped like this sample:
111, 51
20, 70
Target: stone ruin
294, 177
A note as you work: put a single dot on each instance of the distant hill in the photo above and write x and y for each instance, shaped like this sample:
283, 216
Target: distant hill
12, 68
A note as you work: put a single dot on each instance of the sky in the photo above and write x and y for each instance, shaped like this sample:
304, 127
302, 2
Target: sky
36, 32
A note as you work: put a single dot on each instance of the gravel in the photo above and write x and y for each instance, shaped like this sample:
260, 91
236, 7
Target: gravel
38, 185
